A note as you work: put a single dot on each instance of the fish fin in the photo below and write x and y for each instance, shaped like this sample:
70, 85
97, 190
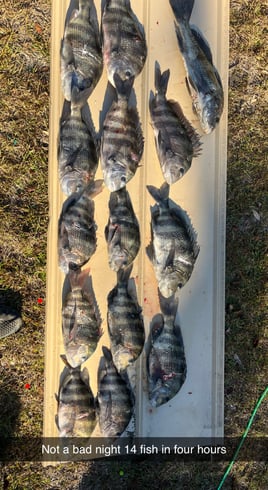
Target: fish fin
133, 114
85, 376
107, 354
217, 75
190, 131
179, 38
79, 97
170, 258
202, 42
182, 9
168, 306
78, 277
64, 235
93, 188
157, 327
161, 194
66, 52
123, 87
161, 80
164, 145
123, 275
57, 422
113, 235
179, 214
152, 102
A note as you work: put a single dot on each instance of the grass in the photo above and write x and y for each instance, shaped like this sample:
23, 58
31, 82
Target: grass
24, 92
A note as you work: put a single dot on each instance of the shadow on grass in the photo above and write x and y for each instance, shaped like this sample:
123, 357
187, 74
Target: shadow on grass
10, 300
154, 473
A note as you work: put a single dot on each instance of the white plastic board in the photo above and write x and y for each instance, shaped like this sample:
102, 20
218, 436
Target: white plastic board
197, 410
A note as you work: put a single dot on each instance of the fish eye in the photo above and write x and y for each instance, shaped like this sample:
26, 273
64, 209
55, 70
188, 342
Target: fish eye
128, 73
123, 178
181, 171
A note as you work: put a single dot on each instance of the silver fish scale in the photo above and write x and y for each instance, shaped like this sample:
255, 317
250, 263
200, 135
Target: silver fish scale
125, 326
124, 45
114, 400
122, 232
81, 56
76, 408
9, 323
78, 158
166, 364
121, 146
88, 327
77, 233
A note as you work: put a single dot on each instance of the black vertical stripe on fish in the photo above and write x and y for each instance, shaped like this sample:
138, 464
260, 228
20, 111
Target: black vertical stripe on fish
173, 249
124, 43
78, 149
203, 80
122, 139
122, 232
81, 323
76, 415
114, 398
125, 323
176, 140
166, 364
77, 229
81, 53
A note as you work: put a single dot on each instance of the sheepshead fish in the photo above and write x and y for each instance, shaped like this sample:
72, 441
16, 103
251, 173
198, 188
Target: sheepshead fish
176, 140
80, 320
77, 240
203, 80
76, 416
122, 232
114, 399
173, 249
78, 149
122, 139
124, 44
81, 53
125, 323
166, 364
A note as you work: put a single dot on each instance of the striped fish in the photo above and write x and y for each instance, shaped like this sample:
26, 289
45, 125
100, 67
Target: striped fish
80, 319
77, 229
122, 232
76, 415
78, 149
176, 140
114, 399
203, 80
173, 249
166, 364
122, 139
81, 53
124, 44
125, 323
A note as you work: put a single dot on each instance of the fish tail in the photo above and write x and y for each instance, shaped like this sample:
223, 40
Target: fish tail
78, 277
161, 194
161, 80
182, 9
79, 97
123, 87
94, 188
170, 305
123, 275
107, 354
64, 359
